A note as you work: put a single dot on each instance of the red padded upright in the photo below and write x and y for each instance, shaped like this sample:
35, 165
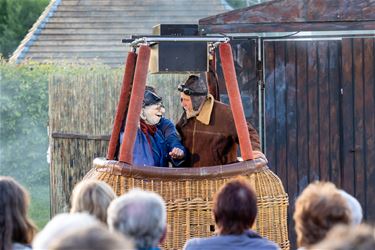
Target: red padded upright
235, 100
135, 105
122, 103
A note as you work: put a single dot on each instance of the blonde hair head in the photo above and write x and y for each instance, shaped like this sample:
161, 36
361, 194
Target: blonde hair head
318, 209
348, 237
93, 197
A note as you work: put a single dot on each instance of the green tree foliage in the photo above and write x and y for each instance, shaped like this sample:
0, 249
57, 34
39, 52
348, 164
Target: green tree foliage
16, 18
23, 131
237, 4
23, 125
23, 121
24, 116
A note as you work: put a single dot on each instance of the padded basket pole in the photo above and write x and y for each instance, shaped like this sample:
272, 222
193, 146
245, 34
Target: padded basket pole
235, 100
122, 104
135, 105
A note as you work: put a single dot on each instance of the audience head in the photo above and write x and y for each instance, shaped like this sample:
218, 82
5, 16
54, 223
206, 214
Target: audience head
140, 215
93, 197
95, 237
354, 206
319, 207
61, 224
348, 237
15, 226
235, 207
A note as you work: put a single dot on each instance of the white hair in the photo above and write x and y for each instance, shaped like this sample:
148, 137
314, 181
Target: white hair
61, 224
140, 215
354, 206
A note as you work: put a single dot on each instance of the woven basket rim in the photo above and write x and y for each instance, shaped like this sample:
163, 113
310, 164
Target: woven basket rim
151, 172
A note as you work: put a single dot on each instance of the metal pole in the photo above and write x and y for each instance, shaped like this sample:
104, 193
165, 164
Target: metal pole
147, 40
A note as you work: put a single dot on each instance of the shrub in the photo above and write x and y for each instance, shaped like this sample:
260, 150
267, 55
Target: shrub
23, 125
23, 121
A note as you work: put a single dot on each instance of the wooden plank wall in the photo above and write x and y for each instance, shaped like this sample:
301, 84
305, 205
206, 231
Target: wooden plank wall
80, 117
320, 116
358, 116
82, 107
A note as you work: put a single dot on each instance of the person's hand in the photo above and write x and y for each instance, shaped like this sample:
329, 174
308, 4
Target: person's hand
259, 155
176, 153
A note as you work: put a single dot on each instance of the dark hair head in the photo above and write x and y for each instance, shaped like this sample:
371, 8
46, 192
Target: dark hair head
235, 207
14, 223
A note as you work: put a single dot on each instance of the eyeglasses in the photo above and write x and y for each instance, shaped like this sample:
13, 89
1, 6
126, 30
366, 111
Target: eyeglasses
187, 91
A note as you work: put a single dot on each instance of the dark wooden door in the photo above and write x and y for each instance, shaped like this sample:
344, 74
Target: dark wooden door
358, 121
319, 116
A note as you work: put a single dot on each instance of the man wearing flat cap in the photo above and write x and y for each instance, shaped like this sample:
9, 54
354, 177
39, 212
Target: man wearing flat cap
207, 127
157, 141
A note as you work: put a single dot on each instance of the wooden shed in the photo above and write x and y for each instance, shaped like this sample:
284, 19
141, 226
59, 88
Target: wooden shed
306, 70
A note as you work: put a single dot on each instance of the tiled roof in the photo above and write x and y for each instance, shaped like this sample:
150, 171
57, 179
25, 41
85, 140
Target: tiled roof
93, 29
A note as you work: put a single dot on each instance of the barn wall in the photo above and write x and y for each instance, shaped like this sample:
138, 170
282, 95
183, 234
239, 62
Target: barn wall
319, 116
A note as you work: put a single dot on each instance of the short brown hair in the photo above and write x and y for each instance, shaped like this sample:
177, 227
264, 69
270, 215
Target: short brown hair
235, 207
319, 207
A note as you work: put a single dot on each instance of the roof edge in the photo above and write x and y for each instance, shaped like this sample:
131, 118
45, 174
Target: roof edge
210, 19
20, 53
293, 15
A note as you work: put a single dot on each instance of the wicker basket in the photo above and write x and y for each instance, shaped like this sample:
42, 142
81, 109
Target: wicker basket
189, 193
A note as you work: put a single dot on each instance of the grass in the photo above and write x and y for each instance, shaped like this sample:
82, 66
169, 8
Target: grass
39, 209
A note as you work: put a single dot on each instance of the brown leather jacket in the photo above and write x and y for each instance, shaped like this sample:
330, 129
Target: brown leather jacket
211, 138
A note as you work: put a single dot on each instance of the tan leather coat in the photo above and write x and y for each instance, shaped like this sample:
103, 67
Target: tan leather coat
211, 138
